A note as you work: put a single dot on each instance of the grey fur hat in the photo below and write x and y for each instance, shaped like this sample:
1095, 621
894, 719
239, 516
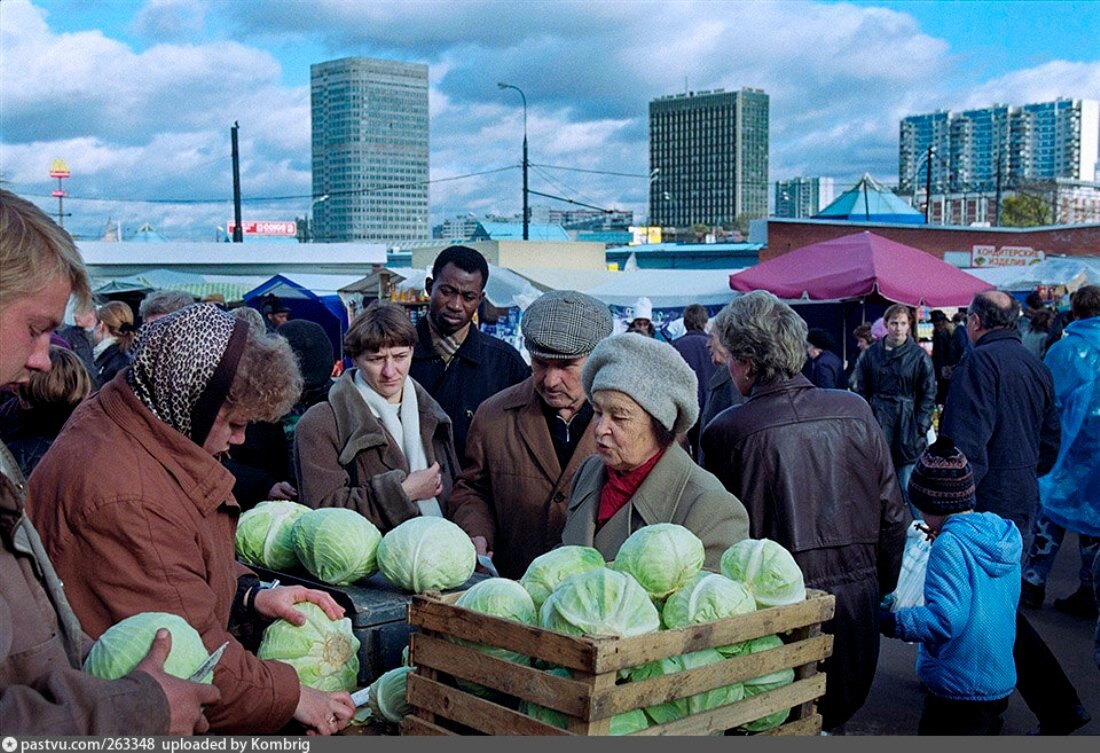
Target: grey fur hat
651, 372
564, 324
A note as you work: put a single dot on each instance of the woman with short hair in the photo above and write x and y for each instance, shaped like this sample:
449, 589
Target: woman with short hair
644, 397
380, 444
114, 335
814, 472
133, 488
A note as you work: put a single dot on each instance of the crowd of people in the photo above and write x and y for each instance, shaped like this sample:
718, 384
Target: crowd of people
140, 446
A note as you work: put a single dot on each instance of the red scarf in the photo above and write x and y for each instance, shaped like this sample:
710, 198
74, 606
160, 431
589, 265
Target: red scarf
620, 487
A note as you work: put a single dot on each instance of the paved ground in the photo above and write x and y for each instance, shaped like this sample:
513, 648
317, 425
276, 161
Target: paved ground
895, 703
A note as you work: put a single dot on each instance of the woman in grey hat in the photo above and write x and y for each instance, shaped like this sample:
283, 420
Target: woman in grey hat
644, 397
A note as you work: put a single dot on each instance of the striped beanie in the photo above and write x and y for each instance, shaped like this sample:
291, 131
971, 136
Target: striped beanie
943, 481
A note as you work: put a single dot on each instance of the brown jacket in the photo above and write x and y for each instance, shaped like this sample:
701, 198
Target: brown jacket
138, 518
675, 491
42, 690
344, 457
814, 470
513, 491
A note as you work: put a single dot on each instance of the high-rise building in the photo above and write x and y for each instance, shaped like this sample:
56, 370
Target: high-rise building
802, 197
370, 150
708, 154
1022, 145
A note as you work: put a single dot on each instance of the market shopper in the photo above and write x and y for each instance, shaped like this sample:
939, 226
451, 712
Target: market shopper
160, 530
79, 336
844, 522
823, 367
1070, 493
527, 442
946, 352
42, 687
458, 365
721, 392
161, 303
380, 445
1001, 413
896, 377
114, 340
967, 623
643, 395
693, 348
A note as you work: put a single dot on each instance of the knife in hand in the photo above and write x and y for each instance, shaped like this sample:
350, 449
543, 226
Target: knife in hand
209, 664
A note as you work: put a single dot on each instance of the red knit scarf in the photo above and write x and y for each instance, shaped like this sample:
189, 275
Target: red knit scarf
620, 487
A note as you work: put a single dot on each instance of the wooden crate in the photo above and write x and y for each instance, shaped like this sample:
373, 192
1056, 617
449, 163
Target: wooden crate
591, 698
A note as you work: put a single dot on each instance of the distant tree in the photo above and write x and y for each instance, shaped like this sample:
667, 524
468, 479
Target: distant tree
1024, 210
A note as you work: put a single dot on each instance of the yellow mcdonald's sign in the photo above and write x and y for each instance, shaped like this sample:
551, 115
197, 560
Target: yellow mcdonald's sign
59, 168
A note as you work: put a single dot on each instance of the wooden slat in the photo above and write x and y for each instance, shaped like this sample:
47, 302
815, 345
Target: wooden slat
471, 711
633, 695
415, 726
436, 615
568, 696
742, 712
589, 726
808, 670
807, 727
621, 653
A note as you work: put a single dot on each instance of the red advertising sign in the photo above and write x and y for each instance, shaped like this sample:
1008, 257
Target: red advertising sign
266, 227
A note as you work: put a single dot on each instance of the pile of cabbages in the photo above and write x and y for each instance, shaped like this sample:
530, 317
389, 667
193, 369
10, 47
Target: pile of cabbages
340, 546
656, 582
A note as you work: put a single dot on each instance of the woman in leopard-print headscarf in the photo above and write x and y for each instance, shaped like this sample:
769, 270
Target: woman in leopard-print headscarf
133, 484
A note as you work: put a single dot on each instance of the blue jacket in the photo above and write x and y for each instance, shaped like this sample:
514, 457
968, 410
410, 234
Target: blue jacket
481, 367
1071, 491
967, 626
826, 371
1000, 412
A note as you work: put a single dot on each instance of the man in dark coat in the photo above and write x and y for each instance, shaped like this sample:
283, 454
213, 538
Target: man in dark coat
814, 472
896, 377
721, 392
946, 353
692, 347
458, 365
1001, 413
79, 338
823, 367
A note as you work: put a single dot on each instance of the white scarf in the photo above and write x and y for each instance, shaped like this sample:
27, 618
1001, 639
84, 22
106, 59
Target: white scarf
102, 345
403, 424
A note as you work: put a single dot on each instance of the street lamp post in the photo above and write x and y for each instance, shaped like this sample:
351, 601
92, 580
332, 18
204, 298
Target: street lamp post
309, 216
526, 215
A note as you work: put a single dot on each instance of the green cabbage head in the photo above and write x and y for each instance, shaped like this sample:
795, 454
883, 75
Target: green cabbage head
323, 652
626, 723
427, 554
662, 557
126, 643
600, 603
387, 695
769, 570
708, 598
504, 598
670, 711
762, 684
547, 571
264, 534
336, 545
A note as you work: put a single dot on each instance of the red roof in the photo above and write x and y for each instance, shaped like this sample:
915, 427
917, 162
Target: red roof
857, 265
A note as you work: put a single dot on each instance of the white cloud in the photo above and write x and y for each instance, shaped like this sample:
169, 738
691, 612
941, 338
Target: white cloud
170, 20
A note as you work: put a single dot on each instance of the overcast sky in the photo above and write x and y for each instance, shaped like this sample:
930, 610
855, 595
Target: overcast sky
138, 97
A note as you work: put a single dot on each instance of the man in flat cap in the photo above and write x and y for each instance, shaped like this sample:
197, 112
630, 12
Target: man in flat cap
526, 442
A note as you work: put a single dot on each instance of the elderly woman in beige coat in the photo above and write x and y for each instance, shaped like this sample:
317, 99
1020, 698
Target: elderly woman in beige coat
644, 397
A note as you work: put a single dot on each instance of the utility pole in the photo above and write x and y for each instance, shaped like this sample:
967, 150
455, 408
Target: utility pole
928, 185
238, 228
997, 196
526, 213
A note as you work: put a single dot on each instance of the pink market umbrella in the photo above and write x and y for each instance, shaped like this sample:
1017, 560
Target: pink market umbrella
858, 265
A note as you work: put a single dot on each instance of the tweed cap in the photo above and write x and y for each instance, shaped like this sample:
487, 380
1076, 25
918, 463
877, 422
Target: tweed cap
564, 324
651, 372
943, 481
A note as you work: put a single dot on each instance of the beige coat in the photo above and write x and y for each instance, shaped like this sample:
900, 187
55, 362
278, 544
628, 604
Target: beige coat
513, 491
344, 457
675, 491
42, 690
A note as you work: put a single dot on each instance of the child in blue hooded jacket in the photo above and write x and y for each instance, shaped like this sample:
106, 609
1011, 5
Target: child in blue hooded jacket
967, 626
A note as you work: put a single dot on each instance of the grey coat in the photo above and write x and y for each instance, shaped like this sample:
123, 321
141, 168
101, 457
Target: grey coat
344, 457
675, 491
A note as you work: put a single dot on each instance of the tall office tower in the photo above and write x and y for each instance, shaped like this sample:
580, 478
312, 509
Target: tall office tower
370, 150
1032, 143
708, 153
802, 197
